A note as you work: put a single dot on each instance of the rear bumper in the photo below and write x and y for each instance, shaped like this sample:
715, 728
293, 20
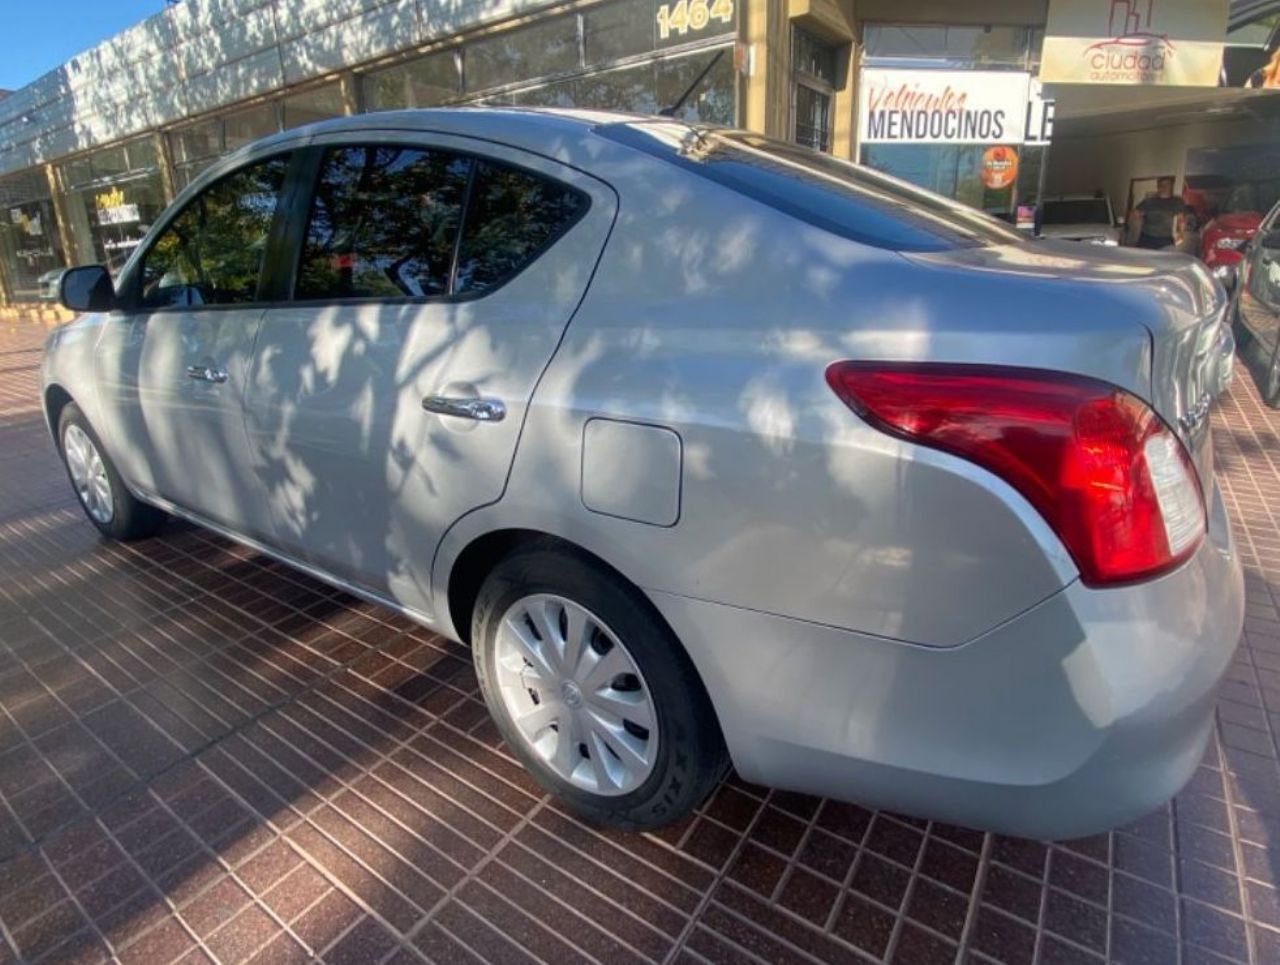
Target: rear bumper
1082, 713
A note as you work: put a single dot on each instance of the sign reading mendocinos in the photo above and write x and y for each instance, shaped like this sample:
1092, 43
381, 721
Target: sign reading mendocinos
1136, 42
942, 106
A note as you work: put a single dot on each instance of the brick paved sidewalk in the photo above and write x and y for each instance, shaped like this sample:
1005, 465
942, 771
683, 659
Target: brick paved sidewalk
204, 754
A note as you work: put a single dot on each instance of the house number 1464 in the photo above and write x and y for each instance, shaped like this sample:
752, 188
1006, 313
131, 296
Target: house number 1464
686, 15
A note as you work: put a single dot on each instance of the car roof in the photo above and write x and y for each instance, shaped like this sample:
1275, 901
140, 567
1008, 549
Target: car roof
532, 127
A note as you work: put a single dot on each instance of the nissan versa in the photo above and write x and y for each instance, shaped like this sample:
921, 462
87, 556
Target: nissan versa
712, 448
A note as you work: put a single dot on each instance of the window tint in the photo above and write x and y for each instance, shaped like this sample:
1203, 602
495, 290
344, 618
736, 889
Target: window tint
512, 216
383, 224
211, 254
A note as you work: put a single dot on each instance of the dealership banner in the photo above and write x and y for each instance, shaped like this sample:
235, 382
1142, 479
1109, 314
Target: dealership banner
1136, 42
942, 106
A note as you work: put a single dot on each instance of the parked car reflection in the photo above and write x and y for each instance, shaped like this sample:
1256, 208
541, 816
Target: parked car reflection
1257, 307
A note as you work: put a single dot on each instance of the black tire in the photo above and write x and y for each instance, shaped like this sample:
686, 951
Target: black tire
690, 758
131, 518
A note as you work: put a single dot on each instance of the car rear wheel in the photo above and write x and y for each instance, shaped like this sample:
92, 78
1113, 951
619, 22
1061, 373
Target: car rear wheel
592, 692
102, 494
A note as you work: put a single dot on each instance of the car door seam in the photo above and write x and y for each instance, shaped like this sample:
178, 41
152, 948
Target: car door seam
524, 417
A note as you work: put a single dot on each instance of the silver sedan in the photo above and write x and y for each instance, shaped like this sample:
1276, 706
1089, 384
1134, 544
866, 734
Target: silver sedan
713, 448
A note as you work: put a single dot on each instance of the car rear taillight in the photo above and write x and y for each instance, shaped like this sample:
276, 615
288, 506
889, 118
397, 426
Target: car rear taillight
1102, 468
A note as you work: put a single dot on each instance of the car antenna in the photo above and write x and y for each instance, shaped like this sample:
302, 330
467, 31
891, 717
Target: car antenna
671, 111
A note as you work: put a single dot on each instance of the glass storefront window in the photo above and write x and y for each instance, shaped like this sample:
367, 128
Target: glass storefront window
952, 170
196, 142
646, 80
109, 162
31, 257
937, 45
965, 172
112, 209
247, 126
319, 104
715, 99
425, 82
616, 30
196, 146
644, 88
540, 50
629, 28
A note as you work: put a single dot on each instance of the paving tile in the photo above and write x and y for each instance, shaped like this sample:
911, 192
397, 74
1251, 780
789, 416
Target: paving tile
166, 942
1143, 902
296, 892
325, 921
723, 937
917, 947
366, 941
778, 830
809, 896
827, 854
881, 880
940, 908
758, 869
864, 925
1003, 938
1067, 915
215, 906
637, 920
241, 938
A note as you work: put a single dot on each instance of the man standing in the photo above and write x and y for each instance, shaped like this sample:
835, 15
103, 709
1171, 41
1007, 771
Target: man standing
1159, 221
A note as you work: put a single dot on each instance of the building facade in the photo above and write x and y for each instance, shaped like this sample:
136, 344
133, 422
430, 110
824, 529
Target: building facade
91, 152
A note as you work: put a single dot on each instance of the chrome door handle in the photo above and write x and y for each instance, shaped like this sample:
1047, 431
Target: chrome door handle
206, 373
481, 410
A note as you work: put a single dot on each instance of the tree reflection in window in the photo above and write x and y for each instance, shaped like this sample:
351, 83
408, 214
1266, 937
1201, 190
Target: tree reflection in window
383, 223
211, 254
512, 216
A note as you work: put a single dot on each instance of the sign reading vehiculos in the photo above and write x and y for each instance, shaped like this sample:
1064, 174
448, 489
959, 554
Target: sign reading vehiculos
942, 106
1139, 42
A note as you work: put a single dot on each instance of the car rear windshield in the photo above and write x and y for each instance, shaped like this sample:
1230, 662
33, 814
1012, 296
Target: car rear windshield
838, 196
1256, 196
1077, 211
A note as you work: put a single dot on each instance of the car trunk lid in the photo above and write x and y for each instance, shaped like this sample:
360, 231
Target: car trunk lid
1172, 296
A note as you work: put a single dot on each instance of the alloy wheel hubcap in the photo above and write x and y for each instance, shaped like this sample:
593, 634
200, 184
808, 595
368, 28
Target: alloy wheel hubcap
576, 695
88, 474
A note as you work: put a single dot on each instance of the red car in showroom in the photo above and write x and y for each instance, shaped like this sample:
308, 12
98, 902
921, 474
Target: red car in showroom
1224, 237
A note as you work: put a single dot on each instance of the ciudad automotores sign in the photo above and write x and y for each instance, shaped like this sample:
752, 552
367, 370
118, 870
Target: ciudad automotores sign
942, 106
1136, 42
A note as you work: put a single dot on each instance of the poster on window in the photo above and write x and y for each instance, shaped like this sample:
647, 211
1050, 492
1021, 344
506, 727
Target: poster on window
942, 106
1134, 42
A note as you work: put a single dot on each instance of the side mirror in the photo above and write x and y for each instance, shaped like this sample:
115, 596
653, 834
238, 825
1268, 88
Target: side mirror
87, 289
1271, 240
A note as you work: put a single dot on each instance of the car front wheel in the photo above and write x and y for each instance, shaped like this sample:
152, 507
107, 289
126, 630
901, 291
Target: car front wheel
592, 692
102, 494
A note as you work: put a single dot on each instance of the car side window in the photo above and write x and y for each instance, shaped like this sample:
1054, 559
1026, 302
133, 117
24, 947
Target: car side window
212, 252
383, 223
513, 215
